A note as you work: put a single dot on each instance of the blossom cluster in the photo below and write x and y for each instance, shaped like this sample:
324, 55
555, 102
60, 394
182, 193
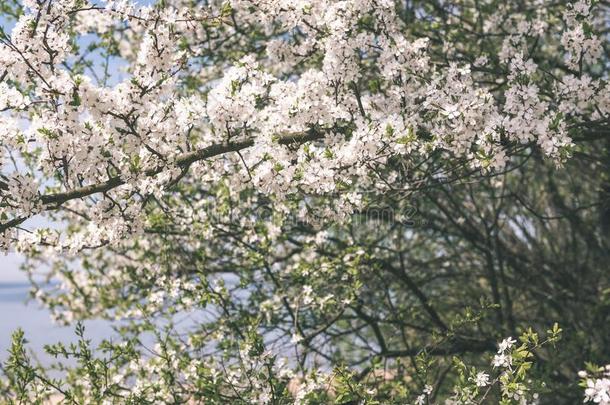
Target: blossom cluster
597, 385
339, 90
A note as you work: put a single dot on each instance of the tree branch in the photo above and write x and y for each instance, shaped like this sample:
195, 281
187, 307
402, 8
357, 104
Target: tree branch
184, 161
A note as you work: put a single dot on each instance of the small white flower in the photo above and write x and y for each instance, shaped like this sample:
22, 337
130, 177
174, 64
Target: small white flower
506, 344
482, 379
598, 391
501, 360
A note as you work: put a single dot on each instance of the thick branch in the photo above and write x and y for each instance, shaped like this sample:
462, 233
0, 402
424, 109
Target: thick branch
184, 161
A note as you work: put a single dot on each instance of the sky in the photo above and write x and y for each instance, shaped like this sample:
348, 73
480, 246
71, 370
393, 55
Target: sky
17, 312
9, 269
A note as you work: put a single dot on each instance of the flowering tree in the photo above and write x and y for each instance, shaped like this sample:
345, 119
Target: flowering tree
353, 201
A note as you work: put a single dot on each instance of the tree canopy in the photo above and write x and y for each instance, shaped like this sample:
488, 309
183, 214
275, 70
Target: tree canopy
310, 201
